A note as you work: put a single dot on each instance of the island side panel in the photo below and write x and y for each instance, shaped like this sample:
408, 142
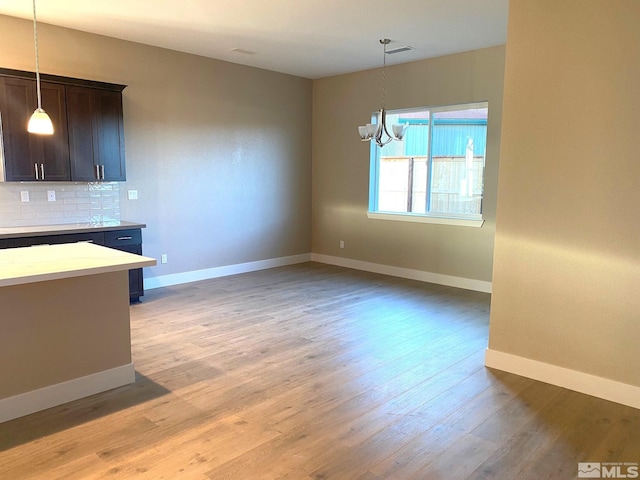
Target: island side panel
59, 330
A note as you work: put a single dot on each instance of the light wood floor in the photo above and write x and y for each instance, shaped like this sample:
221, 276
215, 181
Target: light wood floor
317, 372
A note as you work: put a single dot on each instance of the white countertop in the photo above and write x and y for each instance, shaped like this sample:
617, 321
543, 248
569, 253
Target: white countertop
52, 262
37, 230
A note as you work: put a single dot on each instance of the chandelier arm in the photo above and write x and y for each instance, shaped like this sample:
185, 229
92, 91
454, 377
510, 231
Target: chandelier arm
386, 142
384, 127
382, 144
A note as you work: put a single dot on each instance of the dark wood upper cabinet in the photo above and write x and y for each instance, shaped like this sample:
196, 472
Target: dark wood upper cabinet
88, 140
96, 134
16, 100
54, 149
30, 157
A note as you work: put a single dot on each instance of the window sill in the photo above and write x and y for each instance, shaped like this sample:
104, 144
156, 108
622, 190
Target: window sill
408, 217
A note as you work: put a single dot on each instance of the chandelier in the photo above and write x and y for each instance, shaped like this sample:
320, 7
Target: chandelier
378, 131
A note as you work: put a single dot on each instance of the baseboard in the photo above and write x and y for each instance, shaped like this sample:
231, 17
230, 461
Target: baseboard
54, 395
209, 273
563, 377
205, 274
437, 278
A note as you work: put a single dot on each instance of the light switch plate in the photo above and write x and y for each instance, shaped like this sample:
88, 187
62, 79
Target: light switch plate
24, 196
132, 194
51, 195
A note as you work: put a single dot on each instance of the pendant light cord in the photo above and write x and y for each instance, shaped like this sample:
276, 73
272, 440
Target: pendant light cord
35, 41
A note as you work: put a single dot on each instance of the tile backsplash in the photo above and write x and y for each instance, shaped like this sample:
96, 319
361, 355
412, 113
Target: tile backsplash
74, 203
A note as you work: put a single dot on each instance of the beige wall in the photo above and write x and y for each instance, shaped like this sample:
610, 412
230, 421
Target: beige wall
567, 254
220, 153
341, 164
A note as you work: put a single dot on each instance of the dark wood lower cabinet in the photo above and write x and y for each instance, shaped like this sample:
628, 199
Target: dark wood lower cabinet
136, 286
129, 240
43, 240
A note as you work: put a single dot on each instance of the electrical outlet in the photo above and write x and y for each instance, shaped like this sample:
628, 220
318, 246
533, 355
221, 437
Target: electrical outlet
51, 195
132, 194
24, 196
163, 258
341, 243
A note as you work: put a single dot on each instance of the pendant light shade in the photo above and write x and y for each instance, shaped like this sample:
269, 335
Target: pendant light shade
39, 123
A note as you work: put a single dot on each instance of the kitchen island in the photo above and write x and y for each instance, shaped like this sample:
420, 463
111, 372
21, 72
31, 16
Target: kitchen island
64, 324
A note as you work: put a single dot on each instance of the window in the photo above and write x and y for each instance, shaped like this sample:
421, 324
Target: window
435, 173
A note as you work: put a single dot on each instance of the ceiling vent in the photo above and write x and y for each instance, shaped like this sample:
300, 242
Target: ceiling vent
406, 48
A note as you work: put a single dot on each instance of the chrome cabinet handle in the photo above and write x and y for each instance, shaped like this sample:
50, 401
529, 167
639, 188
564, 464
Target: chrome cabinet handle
96, 173
1, 142
35, 166
42, 171
102, 171
124, 238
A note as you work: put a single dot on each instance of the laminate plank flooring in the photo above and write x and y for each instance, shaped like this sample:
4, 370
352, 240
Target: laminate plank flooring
317, 372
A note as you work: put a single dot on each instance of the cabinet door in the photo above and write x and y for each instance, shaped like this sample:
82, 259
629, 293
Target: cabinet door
96, 134
110, 129
91, 237
7, 243
16, 106
128, 241
81, 119
136, 285
25, 152
54, 149
42, 240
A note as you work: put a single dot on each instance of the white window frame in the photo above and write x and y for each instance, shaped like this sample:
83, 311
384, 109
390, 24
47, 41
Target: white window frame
468, 220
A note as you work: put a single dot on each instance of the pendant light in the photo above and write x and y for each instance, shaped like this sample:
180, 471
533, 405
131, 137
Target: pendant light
378, 131
39, 123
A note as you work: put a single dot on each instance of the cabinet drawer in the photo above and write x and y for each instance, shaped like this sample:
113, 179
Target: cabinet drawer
7, 243
44, 240
123, 237
92, 237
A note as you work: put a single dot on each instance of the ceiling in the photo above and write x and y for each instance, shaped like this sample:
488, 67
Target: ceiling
311, 39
